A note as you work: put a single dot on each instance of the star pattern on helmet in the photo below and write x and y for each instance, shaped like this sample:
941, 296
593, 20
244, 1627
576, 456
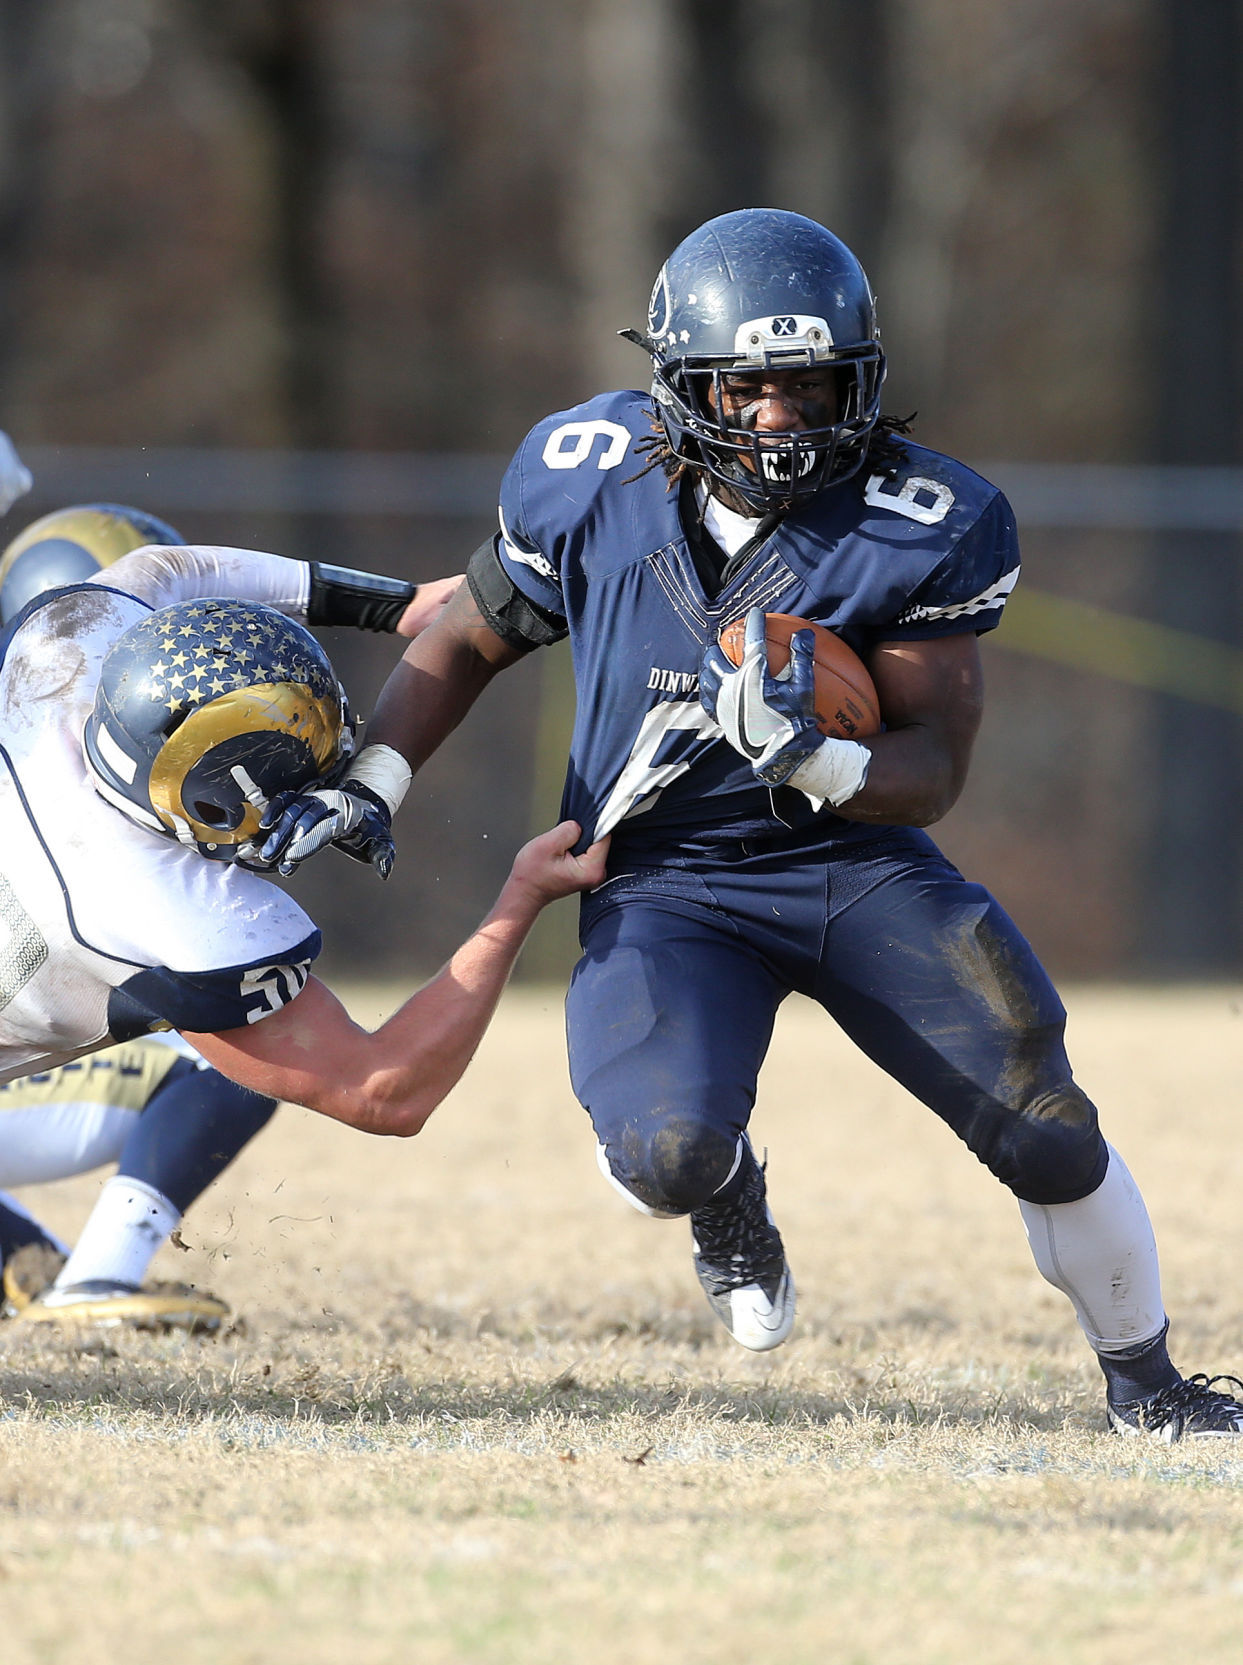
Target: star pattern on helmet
213, 649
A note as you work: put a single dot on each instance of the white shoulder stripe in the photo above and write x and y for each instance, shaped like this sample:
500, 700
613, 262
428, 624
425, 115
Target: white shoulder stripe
526, 557
994, 596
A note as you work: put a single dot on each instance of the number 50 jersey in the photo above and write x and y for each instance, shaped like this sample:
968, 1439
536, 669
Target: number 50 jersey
108, 931
592, 539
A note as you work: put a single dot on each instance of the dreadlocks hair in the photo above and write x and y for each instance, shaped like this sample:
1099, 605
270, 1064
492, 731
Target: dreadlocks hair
885, 451
659, 454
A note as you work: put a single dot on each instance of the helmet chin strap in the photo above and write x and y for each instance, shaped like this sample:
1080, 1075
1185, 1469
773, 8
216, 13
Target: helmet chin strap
183, 832
249, 789
727, 494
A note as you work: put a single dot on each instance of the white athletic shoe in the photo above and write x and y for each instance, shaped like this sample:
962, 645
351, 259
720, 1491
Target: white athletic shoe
741, 1265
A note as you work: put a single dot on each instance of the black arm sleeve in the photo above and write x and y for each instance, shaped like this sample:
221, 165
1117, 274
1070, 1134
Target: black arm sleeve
339, 595
519, 622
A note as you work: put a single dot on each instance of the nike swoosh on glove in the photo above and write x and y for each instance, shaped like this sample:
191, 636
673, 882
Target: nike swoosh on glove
351, 816
770, 720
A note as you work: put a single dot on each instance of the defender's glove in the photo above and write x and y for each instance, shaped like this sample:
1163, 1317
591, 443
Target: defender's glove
771, 719
351, 816
357, 816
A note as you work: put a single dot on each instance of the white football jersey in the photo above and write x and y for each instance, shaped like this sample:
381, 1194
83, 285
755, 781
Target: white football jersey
108, 931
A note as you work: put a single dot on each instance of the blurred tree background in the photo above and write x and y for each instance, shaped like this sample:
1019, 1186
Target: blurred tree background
298, 274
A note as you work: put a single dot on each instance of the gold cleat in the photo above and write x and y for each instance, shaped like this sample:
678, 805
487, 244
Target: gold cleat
156, 1306
28, 1272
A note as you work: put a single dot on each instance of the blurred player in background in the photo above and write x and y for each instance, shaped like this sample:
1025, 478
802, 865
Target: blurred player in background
751, 856
15, 477
191, 714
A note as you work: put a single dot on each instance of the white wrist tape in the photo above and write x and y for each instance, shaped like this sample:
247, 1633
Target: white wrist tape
385, 771
834, 772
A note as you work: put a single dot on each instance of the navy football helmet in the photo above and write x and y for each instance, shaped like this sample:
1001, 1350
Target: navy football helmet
204, 712
71, 545
762, 289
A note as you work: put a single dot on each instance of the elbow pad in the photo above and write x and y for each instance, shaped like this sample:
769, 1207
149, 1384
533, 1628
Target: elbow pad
520, 623
365, 600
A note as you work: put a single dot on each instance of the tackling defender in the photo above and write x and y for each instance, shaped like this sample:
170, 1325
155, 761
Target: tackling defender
147, 717
751, 856
169, 1122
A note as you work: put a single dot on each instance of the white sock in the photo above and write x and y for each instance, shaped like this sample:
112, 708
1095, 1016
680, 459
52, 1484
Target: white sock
1101, 1253
125, 1228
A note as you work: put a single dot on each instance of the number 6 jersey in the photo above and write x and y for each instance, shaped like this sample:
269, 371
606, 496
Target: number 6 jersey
594, 541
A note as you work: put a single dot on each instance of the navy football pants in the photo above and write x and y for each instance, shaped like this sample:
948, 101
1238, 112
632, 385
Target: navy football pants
671, 1009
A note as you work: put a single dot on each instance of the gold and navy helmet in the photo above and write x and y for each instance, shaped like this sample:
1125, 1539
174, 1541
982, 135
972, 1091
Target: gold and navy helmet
70, 546
206, 710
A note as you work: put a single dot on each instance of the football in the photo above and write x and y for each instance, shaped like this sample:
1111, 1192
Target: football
846, 703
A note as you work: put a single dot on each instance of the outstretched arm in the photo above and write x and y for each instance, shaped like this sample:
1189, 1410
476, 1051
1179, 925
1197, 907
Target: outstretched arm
427, 694
390, 1080
430, 600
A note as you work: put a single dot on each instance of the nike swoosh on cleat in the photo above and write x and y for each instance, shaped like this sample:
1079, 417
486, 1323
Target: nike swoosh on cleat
776, 1309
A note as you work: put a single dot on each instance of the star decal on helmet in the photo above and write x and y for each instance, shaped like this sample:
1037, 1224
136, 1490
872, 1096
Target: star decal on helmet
205, 659
203, 713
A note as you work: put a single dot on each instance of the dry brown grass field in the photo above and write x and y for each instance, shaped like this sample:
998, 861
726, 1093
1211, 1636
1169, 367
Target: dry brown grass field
476, 1409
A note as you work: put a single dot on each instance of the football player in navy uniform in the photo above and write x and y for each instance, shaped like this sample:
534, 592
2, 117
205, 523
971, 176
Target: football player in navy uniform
752, 856
148, 714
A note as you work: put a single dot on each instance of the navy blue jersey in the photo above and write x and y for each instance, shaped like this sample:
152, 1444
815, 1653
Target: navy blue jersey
591, 538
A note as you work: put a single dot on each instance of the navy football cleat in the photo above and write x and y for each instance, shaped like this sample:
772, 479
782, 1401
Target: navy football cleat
1190, 1409
741, 1265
